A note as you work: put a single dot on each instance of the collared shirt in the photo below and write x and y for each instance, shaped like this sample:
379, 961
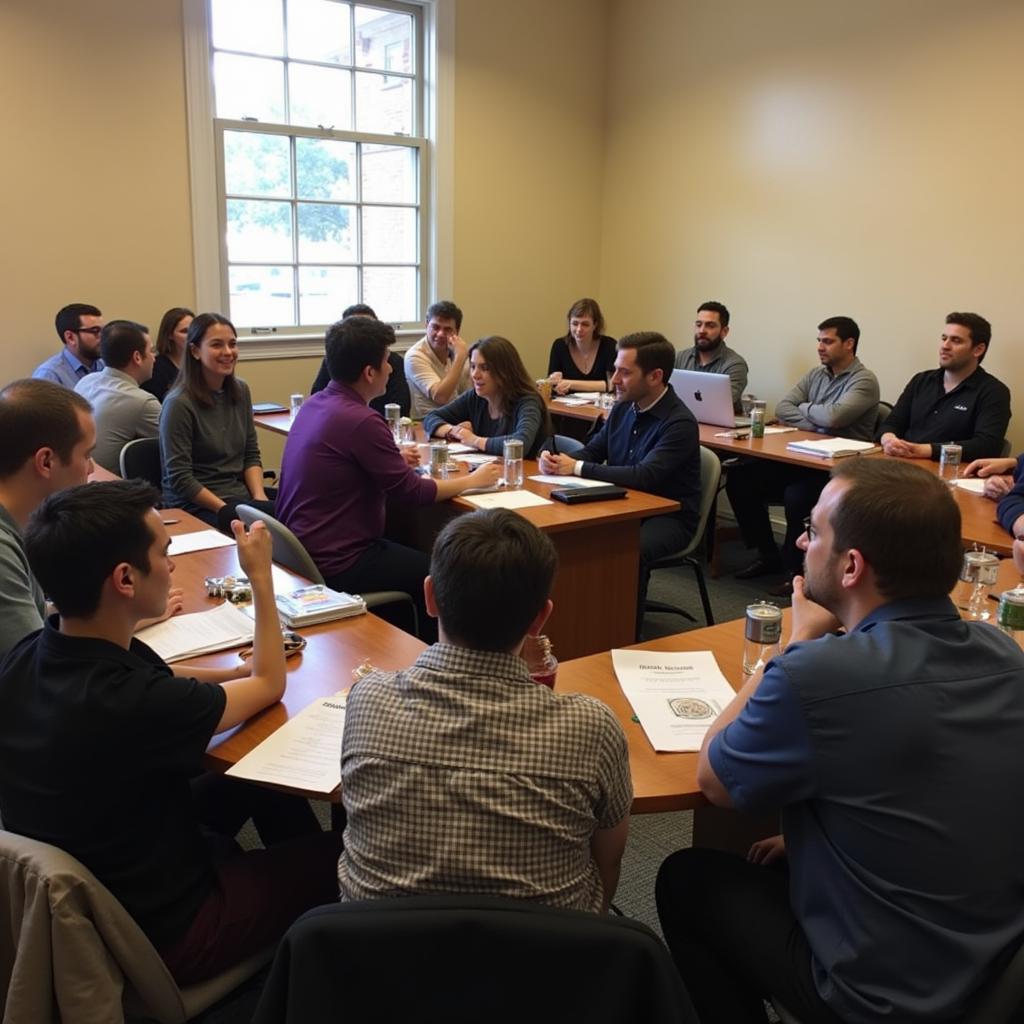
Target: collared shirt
725, 361
21, 598
461, 774
65, 369
975, 414
423, 371
844, 404
122, 410
1011, 506
894, 753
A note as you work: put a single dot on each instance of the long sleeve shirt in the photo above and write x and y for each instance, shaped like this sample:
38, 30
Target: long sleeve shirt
1011, 506
844, 404
523, 423
65, 369
396, 392
725, 361
123, 412
974, 415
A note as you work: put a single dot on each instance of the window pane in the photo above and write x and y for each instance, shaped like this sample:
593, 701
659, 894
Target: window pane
391, 291
261, 296
389, 234
251, 25
325, 291
319, 30
249, 87
257, 165
259, 231
320, 96
325, 169
383, 105
327, 233
389, 174
383, 40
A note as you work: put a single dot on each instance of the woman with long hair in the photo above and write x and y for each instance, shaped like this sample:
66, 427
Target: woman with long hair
208, 447
171, 340
502, 404
584, 358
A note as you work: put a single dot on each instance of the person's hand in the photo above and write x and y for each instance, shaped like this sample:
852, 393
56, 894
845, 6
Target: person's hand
458, 346
175, 603
897, 448
990, 467
456, 431
411, 454
486, 475
466, 436
1018, 556
997, 487
810, 620
557, 465
563, 387
767, 851
254, 549
555, 377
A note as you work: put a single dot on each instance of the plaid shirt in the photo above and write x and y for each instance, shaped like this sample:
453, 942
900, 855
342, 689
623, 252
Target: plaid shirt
461, 774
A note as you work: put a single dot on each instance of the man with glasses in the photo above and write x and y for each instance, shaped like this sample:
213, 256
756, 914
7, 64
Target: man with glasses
78, 327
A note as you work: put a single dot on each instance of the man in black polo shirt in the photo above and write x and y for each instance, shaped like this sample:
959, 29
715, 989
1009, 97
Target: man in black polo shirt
959, 403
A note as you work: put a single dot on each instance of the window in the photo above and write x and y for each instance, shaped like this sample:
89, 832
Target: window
321, 160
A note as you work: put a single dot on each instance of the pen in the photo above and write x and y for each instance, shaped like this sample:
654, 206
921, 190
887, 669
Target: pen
554, 445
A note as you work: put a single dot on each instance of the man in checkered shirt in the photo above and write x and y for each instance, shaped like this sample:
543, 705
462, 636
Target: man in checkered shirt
461, 774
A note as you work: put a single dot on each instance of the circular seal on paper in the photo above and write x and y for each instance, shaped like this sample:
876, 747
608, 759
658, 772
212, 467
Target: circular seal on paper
691, 707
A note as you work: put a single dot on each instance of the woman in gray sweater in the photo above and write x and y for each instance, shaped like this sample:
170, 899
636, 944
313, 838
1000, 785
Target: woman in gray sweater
208, 447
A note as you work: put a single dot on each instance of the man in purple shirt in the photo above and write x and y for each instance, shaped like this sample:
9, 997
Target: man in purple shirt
340, 465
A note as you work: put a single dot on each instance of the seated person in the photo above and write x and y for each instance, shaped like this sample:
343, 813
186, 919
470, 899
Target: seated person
101, 746
502, 405
340, 465
78, 327
397, 392
437, 366
710, 354
1004, 482
584, 359
650, 442
461, 774
171, 342
840, 397
123, 411
959, 403
892, 753
208, 445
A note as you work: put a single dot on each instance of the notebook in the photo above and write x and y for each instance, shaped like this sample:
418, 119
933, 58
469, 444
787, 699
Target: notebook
708, 396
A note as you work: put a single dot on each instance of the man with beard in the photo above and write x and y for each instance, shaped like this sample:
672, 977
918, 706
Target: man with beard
958, 403
710, 354
892, 751
78, 327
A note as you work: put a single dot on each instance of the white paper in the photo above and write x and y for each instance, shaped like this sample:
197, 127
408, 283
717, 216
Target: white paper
478, 459
507, 499
972, 483
457, 448
780, 430
201, 540
677, 695
567, 481
184, 636
305, 753
573, 400
831, 447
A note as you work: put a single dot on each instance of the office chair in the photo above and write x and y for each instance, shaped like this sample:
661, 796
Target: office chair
565, 445
140, 460
70, 951
884, 408
691, 555
289, 552
465, 959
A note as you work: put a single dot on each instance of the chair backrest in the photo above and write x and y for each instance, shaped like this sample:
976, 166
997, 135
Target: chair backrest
710, 475
140, 460
566, 445
468, 959
882, 414
287, 548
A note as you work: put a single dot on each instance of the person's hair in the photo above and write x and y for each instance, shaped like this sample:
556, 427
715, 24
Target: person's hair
69, 318
653, 352
92, 527
505, 365
355, 343
980, 328
905, 523
358, 309
165, 333
492, 572
716, 307
445, 310
38, 414
190, 377
119, 340
585, 307
845, 327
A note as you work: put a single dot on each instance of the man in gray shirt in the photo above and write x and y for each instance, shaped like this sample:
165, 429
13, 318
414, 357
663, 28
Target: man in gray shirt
122, 410
838, 397
710, 354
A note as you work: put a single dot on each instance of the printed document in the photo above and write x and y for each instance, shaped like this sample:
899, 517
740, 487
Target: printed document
185, 636
200, 540
507, 499
975, 484
675, 694
567, 481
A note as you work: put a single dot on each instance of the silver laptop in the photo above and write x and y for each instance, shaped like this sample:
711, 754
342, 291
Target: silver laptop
708, 396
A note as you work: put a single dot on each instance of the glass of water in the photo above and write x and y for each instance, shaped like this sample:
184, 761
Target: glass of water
513, 452
949, 462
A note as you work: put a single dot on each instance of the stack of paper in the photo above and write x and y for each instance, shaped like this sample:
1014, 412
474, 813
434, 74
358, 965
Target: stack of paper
832, 447
507, 499
185, 636
311, 605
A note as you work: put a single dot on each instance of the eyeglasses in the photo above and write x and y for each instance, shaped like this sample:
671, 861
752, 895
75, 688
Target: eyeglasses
808, 529
94, 331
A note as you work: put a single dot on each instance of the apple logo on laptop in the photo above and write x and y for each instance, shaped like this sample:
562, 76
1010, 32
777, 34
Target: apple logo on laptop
698, 396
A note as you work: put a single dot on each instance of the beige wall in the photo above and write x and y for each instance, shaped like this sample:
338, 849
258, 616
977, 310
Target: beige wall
801, 159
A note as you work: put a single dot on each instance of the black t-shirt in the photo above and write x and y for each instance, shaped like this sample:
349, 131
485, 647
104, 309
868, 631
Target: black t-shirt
97, 746
561, 361
165, 373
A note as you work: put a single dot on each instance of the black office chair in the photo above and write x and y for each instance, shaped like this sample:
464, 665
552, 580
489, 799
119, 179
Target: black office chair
463, 959
565, 445
140, 460
881, 415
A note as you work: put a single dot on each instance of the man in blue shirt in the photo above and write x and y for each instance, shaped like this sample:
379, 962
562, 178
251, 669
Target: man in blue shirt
892, 752
78, 327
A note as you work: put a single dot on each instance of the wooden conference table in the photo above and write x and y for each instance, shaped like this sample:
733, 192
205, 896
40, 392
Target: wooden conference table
598, 544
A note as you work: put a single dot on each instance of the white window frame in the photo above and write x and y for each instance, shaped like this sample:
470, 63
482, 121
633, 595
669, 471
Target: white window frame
436, 174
